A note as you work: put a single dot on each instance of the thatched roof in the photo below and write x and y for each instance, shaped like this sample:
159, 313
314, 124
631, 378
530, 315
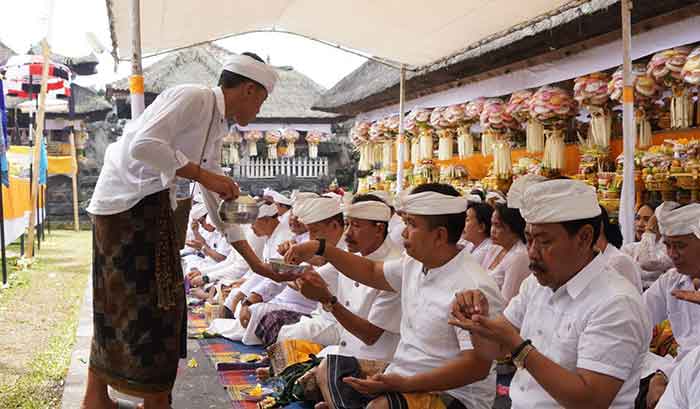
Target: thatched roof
291, 100
87, 101
5, 53
374, 85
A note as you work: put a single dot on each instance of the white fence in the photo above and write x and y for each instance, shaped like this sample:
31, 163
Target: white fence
261, 168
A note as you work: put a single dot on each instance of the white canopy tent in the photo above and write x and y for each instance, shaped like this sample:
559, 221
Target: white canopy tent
403, 33
415, 33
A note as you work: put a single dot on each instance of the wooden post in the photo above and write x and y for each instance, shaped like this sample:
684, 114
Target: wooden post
627, 204
74, 180
39, 134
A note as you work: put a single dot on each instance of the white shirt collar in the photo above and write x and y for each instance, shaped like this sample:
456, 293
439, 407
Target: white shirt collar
382, 251
578, 283
220, 103
451, 265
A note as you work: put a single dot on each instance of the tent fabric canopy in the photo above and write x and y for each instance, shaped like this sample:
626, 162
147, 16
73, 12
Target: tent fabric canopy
415, 33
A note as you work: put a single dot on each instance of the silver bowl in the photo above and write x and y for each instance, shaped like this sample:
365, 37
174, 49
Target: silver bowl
235, 212
279, 266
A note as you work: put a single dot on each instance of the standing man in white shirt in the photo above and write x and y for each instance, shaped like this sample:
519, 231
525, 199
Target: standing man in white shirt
576, 331
139, 300
435, 364
680, 228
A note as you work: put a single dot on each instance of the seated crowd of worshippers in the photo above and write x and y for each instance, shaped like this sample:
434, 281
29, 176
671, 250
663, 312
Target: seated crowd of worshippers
412, 302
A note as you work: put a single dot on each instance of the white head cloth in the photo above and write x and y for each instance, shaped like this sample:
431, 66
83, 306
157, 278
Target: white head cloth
375, 211
556, 201
301, 197
253, 69
474, 198
267, 211
198, 211
316, 210
280, 198
432, 203
677, 220
518, 188
385, 196
495, 195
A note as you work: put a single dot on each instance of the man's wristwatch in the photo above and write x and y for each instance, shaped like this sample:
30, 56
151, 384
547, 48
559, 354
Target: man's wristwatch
205, 279
321, 247
246, 303
328, 305
521, 352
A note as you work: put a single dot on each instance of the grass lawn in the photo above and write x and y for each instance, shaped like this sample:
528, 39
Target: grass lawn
38, 318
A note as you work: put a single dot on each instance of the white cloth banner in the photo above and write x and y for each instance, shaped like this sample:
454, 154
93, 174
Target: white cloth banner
595, 59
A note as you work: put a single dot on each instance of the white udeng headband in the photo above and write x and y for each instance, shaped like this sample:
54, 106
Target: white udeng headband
255, 70
376, 211
557, 201
677, 220
432, 203
315, 210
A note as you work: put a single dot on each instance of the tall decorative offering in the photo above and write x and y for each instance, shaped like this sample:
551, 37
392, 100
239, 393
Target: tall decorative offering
666, 68
272, 138
290, 136
421, 117
591, 91
454, 115
412, 139
314, 138
389, 151
359, 136
519, 108
553, 107
496, 123
472, 114
252, 138
445, 133
645, 92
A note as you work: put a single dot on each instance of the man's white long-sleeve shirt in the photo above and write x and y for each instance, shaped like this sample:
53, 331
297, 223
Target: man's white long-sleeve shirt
170, 133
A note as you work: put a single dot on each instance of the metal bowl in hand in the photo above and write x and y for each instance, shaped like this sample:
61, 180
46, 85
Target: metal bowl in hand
279, 266
239, 211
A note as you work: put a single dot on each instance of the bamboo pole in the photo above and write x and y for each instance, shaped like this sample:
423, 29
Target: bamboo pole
29, 250
74, 180
627, 203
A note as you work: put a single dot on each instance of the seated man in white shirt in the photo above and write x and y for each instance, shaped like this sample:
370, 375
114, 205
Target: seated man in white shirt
435, 364
576, 331
282, 303
367, 319
318, 215
213, 251
683, 390
648, 251
680, 227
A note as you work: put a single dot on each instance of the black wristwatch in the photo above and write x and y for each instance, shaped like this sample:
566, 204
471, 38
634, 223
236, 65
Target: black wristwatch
246, 303
205, 279
321, 247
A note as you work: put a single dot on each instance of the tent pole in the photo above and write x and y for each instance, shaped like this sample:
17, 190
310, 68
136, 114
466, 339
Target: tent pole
136, 79
627, 205
400, 153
